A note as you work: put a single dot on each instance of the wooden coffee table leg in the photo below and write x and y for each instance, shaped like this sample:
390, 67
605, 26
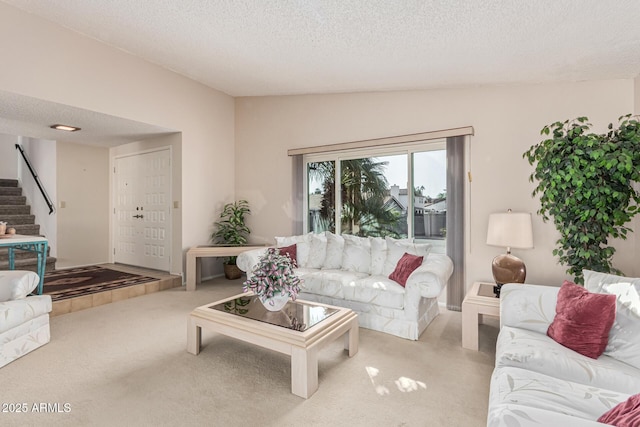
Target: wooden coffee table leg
194, 336
351, 338
304, 371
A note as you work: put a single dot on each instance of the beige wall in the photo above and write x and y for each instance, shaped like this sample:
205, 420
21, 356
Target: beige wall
8, 156
636, 221
81, 72
636, 95
83, 189
507, 121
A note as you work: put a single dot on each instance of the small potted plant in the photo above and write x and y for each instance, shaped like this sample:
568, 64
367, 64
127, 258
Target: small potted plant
274, 280
232, 231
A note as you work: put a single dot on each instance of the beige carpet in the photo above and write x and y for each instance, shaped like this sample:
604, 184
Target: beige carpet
126, 364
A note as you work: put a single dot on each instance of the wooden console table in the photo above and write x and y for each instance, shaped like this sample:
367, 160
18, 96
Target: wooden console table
195, 253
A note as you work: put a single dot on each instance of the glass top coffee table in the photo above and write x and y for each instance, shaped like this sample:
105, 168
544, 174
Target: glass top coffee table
299, 330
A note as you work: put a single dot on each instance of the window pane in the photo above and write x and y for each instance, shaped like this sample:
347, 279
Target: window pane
368, 207
430, 198
321, 201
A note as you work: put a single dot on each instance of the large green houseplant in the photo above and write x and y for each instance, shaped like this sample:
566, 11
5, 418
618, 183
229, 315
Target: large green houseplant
585, 182
231, 230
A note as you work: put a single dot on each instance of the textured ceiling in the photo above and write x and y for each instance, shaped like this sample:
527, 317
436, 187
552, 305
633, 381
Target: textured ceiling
275, 47
26, 116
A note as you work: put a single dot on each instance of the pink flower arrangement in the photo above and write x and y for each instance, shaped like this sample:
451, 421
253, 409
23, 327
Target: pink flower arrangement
273, 275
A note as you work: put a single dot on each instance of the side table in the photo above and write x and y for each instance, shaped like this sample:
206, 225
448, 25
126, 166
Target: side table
195, 253
479, 301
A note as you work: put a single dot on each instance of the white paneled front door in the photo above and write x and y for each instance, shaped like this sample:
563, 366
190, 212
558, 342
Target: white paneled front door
142, 227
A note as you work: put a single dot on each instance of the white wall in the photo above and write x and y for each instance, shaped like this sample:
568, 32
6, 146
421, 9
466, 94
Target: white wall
8, 156
83, 188
42, 156
84, 73
507, 121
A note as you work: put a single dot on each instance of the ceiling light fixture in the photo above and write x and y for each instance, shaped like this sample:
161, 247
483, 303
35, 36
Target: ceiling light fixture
65, 128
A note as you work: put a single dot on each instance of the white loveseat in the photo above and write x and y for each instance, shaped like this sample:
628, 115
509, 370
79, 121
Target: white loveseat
24, 320
538, 382
353, 272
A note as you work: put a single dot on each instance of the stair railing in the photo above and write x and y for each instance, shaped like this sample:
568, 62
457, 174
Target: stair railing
47, 199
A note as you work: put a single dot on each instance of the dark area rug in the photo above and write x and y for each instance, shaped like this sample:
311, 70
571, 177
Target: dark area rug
64, 284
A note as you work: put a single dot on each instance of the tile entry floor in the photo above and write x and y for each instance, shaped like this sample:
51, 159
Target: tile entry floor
165, 281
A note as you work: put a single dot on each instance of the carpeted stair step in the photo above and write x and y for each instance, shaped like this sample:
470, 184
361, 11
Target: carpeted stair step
8, 182
17, 214
14, 210
18, 254
25, 260
13, 220
28, 264
13, 200
27, 229
10, 191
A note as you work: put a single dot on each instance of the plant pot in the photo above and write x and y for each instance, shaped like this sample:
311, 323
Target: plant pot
275, 303
232, 272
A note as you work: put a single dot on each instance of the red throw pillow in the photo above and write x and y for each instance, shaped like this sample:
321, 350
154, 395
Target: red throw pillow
583, 320
291, 252
624, 414
407, 264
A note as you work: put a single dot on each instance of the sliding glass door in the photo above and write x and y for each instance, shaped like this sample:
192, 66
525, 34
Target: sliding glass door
430, 197
399, 192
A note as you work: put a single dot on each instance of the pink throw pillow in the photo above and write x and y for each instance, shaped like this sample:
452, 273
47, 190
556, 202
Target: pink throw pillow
291, 252
583, 320
407, 264
624, 414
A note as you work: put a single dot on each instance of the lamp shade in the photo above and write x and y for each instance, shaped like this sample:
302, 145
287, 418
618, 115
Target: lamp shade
510, 230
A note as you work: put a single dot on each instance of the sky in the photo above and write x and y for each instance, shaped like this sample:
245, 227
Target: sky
429, 170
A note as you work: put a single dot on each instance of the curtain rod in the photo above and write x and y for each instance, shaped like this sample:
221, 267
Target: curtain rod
379, 142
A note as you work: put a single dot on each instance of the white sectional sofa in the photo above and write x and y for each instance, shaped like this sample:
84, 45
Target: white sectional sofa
353, 272
24, 320
539, 382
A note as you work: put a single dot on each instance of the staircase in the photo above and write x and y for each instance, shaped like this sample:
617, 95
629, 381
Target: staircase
17, 214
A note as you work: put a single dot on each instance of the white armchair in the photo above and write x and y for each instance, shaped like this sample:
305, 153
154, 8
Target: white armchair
24, 319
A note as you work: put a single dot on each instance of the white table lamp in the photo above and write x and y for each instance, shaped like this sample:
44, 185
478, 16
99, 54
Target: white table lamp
509, 230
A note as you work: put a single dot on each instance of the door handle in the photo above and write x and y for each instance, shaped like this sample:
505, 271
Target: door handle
138, 216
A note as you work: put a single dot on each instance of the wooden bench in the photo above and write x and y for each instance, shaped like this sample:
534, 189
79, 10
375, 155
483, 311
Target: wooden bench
195, 253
